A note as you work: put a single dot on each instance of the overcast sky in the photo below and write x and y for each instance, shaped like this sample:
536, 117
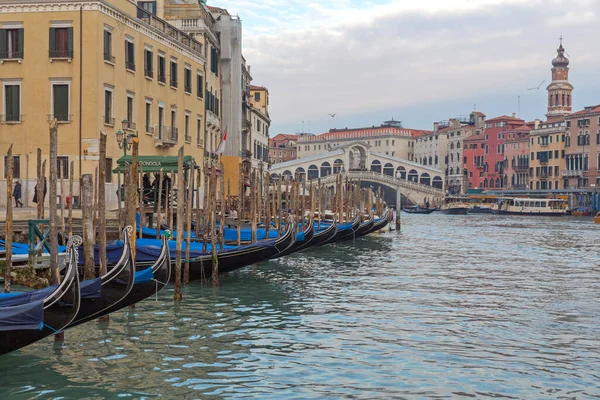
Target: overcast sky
418, 61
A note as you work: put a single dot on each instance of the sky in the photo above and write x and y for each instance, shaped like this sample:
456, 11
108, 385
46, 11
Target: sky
418, 61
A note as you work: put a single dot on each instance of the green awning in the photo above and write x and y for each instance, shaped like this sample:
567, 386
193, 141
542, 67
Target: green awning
154, 163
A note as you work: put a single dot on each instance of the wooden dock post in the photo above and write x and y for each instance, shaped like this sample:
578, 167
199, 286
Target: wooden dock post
52, 202
102, 205
180, 198
253, 204
222, 215
398, 208
88, 228
188, 221
8, 167
279, 205
62, 168
240, 205
213, 227
159, 205
268, 204
39, 194
132, 188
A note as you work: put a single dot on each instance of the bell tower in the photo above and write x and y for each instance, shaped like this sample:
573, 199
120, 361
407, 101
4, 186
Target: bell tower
559, 90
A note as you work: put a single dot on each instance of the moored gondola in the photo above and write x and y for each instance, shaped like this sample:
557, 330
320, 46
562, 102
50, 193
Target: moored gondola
380, 223
308, 235
365, 227
110, 288
233, 258
325, 235
28, 317
347, 232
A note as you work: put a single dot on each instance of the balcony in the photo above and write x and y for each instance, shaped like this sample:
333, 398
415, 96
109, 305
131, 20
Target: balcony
521, 167
132, 126
200, 143
109, 121
188, 138
245, 154
572, 173
61, 118
246, 124
11, 55
149, 129
171, 31
543, 176
544, 144
109, 58
148, 73
212, 120
60, 54
129, 66
479, 166
166, 136
543, 161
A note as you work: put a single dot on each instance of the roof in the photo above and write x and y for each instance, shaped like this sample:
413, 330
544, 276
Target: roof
587, 110
474, 138
254, 87
503, 118
284, 136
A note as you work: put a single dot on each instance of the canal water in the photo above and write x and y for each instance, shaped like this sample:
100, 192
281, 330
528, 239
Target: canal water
452, 307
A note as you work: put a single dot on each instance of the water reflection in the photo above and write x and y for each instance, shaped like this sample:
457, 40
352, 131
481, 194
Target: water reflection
488, 306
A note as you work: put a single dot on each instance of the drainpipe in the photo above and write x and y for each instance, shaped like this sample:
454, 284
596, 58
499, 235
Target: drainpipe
80, 89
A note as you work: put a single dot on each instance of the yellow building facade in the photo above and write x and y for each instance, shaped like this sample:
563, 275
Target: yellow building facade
547, 155
124, 65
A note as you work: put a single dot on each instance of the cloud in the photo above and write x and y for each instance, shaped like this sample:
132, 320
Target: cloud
359, 59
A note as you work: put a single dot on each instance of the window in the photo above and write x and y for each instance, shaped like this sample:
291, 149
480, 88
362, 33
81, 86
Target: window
173, 124
62, 162
161, 121
108, 45
60, 102
148, 117
162, 68
61, 42
199, 85
108, 167
214, 61
199, 131
129, 54
108, 106
186, 126
148, 67
145, 8
11, 102
257, 96
11, 43
187, 80
173, 80
392, 142
129, 116
16, 174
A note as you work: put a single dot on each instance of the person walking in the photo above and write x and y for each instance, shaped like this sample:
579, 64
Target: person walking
17, 194
35, 199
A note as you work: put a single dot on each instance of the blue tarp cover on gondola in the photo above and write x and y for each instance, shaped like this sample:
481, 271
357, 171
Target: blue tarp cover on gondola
24, 316
18, 298
91, 289
22, 248
145, 275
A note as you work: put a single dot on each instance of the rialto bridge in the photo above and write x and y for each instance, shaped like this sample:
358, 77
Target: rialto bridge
416, 182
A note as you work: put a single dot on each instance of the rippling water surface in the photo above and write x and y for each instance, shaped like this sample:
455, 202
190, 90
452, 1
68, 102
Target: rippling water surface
452, 307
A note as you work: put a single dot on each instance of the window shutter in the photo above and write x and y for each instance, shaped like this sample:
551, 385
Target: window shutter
20, 39
2, 42
52, 45
106, 44
70, 39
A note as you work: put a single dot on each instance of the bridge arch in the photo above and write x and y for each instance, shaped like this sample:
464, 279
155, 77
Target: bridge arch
274, 176
338, 166
287, 175
376, 166
437, 182
300, 174
325, 169
413, 175
313, 172
357, 156
425, 179
401, 172
388, 169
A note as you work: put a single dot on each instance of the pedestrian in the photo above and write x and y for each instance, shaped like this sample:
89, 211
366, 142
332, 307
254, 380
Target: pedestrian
147, 188
35, 199
17, 194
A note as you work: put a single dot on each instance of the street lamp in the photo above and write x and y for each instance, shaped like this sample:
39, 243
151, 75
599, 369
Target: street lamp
125, 141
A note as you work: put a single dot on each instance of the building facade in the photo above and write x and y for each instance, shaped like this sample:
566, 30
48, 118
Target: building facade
495, 137
143, 81
473, 155
389, 138
582, 149
260, 122
516, 158
282, 148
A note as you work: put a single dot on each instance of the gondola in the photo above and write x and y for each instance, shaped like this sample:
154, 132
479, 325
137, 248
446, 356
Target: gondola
148, 281
309, 234
28, 317
112, 287
233, 258
380, 223
348, 233
418, 210
365, 227
325, 235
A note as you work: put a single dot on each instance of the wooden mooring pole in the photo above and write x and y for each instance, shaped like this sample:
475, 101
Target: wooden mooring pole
9, 166
180, 200
88, 226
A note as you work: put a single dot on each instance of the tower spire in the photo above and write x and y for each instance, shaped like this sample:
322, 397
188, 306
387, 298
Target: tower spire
559, 90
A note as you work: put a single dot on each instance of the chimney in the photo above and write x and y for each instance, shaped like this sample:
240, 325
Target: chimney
514, 115
435, 127
537, 123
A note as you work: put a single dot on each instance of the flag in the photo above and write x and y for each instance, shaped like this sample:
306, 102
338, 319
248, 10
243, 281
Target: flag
221, 147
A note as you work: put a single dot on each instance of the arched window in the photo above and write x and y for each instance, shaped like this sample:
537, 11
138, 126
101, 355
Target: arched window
563, 100
436, 160
451, 145
568, 100
555, 101
430, 160
451, 171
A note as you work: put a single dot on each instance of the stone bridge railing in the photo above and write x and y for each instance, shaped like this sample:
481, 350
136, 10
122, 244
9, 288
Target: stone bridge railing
408, 188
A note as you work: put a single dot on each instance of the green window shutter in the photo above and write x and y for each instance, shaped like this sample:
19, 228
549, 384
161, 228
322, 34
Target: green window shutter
106, 44
2, 43
20, 40
61, 102
70, 40
52, 45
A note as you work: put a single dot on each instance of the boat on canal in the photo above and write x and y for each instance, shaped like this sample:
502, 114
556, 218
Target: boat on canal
455, 205
418, 210
531, 206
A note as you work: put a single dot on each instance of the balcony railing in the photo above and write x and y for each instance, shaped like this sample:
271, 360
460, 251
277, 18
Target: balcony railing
109, 57
187, 138
245, 153
188, 88
173, 83
11, 118
54, 54
480, 166
521, 167
162, 78
170, 31
166, 136
544, 144
130, 66
543, 161
148, 73
569, 173
11, 55
149, 129
109, 121
200, 142
132, 126
60, 117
